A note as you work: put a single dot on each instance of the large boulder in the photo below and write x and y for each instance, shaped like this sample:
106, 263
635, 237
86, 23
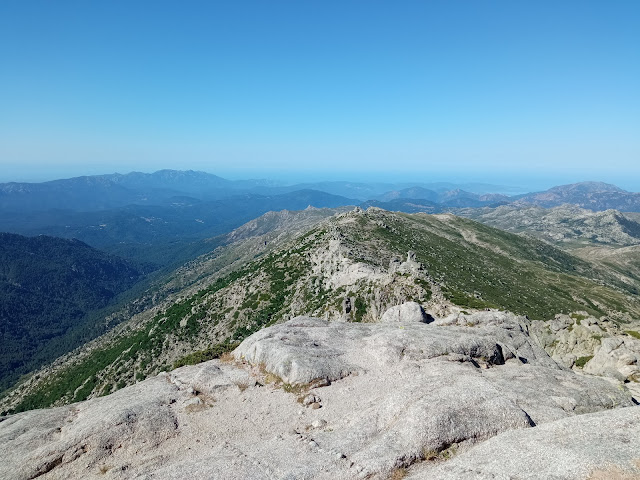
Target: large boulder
596, 346
617, 357
134, 420
407, 312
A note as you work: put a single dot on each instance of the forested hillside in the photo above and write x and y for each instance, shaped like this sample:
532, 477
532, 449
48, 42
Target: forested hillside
48, 286
170, 233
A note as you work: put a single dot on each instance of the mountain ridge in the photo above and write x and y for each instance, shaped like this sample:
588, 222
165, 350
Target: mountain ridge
352, 267
103, 192
595, 196
565, 224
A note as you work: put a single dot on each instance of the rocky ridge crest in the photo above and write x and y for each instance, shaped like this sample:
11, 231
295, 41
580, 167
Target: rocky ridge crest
353, 266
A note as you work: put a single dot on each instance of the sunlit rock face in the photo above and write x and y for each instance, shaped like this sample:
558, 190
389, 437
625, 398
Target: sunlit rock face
466, 396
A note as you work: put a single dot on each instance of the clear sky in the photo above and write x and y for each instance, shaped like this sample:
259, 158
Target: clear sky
510, 91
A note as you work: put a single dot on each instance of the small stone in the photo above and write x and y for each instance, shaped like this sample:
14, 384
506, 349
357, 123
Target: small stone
316, 406
193, 401
318, 423
310, 399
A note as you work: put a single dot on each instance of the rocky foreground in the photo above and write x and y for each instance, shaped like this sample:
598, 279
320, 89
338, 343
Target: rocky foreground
467, 396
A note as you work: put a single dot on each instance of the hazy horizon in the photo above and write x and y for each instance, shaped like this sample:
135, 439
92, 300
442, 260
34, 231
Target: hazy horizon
529, 95
504, 184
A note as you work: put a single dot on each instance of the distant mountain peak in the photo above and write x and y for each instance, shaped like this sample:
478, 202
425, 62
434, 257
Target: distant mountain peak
587, 187
595, 196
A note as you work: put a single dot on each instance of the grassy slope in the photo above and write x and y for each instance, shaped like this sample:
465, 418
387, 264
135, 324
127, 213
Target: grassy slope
474, 266
481, 266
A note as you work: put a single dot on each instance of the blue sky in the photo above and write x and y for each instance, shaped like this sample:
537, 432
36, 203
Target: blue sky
537, 92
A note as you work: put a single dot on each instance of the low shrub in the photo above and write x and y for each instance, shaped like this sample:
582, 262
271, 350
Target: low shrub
215, 351
582, 361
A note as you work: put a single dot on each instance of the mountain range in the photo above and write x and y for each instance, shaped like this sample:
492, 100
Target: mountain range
262, 327
161, 234
157, 222
161, 218
110, 191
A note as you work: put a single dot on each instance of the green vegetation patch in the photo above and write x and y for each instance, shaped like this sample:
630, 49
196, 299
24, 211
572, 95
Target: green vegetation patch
578, 318
582, 361
210, 353
76, 382
360, 309
633, 333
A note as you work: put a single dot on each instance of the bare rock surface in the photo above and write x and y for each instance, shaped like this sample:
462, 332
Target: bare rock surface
407, 312
595, 346
617, 357
332, 400
598, 446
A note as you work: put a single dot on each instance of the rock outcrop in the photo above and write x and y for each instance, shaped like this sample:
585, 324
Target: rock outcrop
595, 346
598, 446
566, 225
407, 312
467, 396
618, 358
